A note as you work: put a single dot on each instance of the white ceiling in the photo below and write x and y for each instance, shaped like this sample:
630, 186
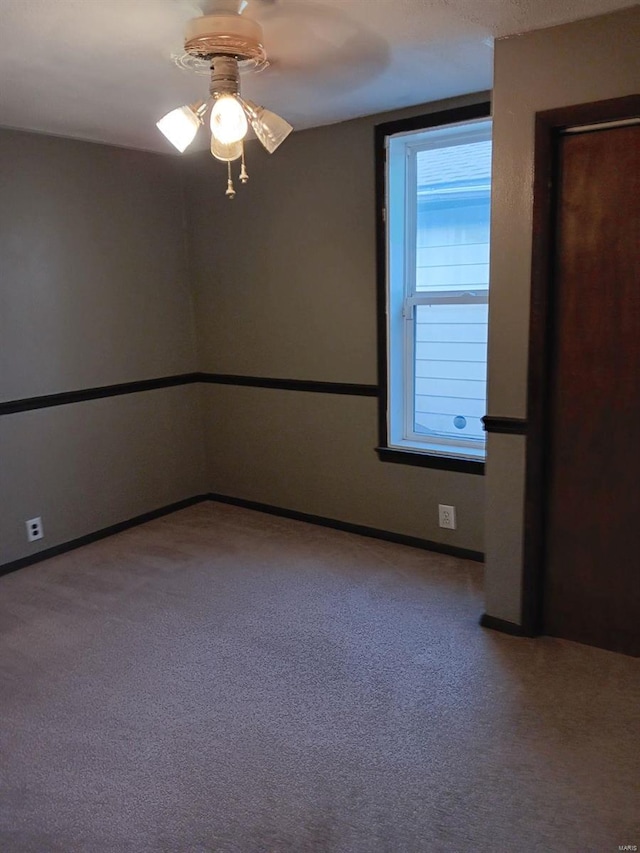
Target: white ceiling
102, 69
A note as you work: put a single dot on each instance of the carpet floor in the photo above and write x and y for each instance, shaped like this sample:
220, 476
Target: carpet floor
223, 681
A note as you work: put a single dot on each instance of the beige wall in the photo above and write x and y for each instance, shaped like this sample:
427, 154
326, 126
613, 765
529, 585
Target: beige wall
285, 286
284, 274
577, 63
314, 453
93, 291
88, 465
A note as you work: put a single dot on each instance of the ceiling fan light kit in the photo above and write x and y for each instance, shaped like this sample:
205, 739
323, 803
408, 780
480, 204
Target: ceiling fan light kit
227, 42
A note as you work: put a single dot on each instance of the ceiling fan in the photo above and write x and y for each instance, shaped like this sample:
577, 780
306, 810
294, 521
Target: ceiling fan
225, 41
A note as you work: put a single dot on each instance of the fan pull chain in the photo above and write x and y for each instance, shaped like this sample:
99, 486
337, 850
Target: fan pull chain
244, 177
230, 193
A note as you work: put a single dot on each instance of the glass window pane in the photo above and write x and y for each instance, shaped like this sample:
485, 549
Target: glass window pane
450, 369
452, 221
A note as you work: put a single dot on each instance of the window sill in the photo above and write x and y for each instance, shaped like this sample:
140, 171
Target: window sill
430, 460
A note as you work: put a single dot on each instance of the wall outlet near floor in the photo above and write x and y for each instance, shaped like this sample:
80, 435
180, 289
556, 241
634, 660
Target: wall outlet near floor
34, 529
447, 516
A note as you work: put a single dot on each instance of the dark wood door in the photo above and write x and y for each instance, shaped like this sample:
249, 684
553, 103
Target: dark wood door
592, 561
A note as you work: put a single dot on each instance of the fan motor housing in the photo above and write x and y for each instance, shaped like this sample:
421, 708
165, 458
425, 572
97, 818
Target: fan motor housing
225, 35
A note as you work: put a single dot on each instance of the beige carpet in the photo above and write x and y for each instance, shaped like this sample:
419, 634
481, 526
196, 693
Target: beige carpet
221, 680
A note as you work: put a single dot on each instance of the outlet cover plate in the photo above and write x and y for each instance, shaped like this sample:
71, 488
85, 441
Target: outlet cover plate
34, 529
447, 516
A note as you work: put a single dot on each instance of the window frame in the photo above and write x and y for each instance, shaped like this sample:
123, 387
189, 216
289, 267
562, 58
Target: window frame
386, 453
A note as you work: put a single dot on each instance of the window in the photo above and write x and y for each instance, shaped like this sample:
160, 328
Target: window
434, 186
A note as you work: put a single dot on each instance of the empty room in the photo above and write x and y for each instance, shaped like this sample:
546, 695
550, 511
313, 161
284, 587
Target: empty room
319, 405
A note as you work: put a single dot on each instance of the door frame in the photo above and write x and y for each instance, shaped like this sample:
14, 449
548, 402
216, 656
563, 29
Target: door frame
549, 126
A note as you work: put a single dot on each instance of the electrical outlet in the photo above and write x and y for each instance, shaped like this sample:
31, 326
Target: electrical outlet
447, 516
34, 529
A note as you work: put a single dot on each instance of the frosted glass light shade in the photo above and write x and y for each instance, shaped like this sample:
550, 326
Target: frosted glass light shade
228, 121
226, 152
180, 127
271, 129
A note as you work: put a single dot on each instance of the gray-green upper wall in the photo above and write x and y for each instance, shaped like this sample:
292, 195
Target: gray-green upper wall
94, 284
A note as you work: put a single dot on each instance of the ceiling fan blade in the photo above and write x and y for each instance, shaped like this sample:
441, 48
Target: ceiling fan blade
311, 39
